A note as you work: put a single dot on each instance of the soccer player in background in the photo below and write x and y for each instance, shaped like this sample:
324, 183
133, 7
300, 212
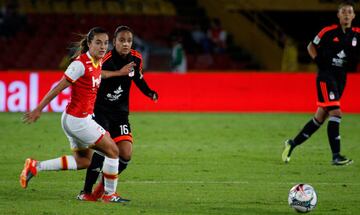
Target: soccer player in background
84, 134
335, 49
112, 106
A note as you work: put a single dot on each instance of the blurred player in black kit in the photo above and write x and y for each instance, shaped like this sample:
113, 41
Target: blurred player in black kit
112, 106
335, 49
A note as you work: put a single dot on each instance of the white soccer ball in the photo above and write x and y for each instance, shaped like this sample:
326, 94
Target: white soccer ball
303, 198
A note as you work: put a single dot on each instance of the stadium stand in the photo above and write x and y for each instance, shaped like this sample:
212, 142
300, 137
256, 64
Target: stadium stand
51, 26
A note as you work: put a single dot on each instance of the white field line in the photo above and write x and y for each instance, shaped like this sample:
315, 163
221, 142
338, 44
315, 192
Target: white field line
208, 182
233, 182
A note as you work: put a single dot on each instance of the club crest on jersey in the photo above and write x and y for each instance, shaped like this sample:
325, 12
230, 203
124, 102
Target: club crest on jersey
354, 41
132, 72
331, 95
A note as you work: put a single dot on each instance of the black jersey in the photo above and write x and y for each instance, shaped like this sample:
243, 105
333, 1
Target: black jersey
337, 51
113, 94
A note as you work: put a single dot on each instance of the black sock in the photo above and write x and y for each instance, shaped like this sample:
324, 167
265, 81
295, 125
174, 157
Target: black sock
310, 128
93, 171
122, 164
334, 134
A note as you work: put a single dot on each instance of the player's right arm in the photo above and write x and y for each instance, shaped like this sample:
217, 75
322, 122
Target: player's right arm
125, 70
312, 50
75, 70
32, 116
313, 46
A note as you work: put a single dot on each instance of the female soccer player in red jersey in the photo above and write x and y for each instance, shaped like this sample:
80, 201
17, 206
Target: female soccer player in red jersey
84, 134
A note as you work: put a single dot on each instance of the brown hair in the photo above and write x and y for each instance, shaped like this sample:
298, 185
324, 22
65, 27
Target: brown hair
83, 45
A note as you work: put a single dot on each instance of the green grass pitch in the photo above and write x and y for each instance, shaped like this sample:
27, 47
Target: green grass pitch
187, 163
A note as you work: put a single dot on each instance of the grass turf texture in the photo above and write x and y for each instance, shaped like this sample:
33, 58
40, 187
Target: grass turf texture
187, 163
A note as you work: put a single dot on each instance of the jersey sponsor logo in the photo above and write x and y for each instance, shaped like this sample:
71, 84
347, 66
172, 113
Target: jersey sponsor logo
341, 54
316, 40
115, 95
96, 81
354, 41
339, 62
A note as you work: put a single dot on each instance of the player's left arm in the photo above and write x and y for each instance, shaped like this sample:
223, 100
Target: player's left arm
141, 83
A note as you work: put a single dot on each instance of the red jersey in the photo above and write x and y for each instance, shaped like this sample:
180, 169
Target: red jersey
85, 77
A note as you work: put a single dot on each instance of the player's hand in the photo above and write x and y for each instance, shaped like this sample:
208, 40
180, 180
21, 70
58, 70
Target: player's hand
31, 117
154, 96
125, 70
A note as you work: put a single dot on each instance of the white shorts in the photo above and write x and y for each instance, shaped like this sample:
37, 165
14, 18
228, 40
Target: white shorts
81, 132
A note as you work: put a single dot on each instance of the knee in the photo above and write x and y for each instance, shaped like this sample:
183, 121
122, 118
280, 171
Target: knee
114, 151
335, 112
125, 150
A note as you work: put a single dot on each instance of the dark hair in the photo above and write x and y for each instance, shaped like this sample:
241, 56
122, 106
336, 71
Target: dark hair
122, 28
83, 45
346, 3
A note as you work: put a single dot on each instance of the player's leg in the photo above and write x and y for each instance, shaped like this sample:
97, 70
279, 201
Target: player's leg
332, 90
110, 169
93, 172
125, 152
120, 130
74, 128
97, 160
312, 125
310, 128
79, 160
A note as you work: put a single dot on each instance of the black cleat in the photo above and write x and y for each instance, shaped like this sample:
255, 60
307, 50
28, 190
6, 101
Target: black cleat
341, 161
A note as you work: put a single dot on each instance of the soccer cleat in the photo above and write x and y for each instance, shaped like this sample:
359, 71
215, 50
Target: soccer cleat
286, 153
98, 191
85, 197
115, 198
28, 172
341, 161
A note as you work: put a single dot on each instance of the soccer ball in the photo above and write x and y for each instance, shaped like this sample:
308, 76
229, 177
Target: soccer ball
302, 197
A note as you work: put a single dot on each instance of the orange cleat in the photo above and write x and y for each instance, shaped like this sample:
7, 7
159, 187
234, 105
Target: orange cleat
28, 172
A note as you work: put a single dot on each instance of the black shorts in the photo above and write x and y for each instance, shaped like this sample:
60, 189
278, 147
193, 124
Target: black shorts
116, 124
329, 92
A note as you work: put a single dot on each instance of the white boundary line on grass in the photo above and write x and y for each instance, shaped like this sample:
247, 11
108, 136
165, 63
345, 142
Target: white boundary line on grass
235, 182
215, 182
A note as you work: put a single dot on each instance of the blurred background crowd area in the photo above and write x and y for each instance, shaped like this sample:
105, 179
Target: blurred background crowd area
213, 34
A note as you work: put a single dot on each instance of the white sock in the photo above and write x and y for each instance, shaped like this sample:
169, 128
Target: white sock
61, 163
110, 172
